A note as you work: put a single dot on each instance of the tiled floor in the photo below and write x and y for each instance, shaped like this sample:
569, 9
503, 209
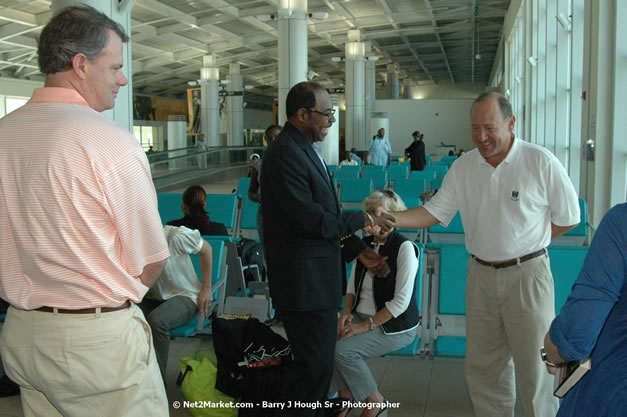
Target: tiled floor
420, 387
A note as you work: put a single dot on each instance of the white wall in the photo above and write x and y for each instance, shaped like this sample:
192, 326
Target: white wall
441, 120
17, 87
257, 119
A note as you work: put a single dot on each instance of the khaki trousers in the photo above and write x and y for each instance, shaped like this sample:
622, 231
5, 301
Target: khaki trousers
77, 365
508, 312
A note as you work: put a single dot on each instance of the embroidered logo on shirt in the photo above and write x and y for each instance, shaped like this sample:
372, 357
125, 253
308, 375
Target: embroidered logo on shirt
514, 195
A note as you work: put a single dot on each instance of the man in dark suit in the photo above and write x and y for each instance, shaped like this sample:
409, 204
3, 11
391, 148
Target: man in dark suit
303, 225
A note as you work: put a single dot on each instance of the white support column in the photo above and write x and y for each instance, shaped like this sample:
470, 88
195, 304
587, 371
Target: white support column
235, 107
292, 48
391, 87
355, 98
209, 108
120, 13
603, 179
330, 144
370, 90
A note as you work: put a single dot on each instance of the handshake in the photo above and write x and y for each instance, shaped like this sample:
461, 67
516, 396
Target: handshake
378, 222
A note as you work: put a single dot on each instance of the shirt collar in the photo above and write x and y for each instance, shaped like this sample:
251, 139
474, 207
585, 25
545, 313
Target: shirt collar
59, 95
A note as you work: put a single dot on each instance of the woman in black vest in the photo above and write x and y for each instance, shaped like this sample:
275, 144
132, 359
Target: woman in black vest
380, 315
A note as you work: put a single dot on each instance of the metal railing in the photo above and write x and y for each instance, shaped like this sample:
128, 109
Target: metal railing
184, 164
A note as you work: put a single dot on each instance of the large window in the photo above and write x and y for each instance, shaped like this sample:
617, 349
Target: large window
10, 103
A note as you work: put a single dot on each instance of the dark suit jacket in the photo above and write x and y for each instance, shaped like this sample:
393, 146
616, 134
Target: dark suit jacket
303, 224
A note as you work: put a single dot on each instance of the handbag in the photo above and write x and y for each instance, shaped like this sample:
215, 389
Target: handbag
198, 384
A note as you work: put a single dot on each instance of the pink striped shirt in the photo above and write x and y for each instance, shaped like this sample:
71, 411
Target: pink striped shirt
78, 209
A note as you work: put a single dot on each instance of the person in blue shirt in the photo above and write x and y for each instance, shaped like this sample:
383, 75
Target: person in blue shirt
380, 150
593, 323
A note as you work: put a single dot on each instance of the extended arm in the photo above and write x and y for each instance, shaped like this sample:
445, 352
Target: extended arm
206, 264
414, 218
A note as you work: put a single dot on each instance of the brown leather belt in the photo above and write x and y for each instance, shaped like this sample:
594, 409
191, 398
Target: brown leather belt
46, 309
511, 262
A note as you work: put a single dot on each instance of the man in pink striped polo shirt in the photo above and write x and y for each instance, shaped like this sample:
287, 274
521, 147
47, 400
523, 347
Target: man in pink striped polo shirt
80, 235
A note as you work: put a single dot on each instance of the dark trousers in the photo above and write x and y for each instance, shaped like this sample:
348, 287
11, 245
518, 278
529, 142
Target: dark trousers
312, 335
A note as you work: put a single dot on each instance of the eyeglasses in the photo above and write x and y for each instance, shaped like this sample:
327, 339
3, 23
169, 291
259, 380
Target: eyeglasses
388, 194
328, 114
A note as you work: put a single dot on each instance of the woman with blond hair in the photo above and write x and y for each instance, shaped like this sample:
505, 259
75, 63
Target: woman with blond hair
380, 315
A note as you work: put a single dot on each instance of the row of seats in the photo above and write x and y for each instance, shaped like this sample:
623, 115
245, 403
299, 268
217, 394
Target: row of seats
239, 215
447, 284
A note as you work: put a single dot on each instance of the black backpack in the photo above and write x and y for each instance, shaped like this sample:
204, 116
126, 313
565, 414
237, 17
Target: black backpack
251, 253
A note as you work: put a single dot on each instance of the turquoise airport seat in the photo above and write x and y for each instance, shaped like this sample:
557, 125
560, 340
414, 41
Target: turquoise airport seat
242, 185
426, 175
436, 184
223, 208
427, 160
578, 236
413, 347
332, 169
396, 163
396, 172
440, 170
348, 172
369, 169
451, 300
566, 264
379, 177
407, 188
218, 284
353, 191
248, 219
454, 233
448, 160
169, 206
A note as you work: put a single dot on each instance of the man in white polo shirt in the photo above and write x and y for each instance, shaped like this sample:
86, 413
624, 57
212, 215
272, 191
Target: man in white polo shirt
513, 198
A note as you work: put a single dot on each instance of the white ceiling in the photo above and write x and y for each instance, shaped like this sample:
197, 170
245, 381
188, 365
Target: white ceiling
429, 41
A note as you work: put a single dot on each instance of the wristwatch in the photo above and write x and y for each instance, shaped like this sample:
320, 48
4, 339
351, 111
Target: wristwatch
373, 325
544, 358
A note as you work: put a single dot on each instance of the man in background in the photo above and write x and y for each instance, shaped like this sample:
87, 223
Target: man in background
80, 234
380, 150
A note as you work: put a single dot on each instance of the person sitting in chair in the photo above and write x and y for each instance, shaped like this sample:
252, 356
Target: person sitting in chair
380, 315
193, 206
178, 295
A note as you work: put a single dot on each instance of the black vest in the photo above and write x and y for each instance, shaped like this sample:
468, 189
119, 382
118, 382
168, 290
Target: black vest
383, 288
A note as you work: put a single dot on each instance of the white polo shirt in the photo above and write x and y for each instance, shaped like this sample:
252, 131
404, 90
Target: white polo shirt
507, 211
178, 276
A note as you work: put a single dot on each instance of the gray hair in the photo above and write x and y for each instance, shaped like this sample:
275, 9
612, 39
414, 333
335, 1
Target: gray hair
389, 200
74, 30
504, 104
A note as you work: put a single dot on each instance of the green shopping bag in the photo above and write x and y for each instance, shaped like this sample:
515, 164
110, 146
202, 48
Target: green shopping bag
198, 384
